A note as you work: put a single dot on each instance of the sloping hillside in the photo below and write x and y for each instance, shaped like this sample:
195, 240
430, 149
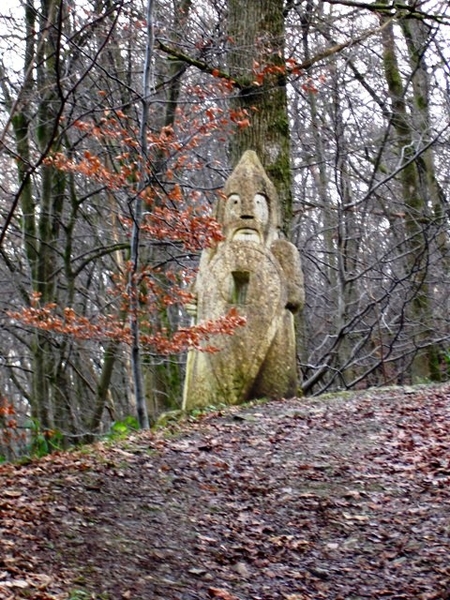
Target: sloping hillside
344, 497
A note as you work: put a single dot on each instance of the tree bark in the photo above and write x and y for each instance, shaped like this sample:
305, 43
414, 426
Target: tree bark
417, 217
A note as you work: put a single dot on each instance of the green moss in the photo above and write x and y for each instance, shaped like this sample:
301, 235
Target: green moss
281, 124
280, 174
421, 102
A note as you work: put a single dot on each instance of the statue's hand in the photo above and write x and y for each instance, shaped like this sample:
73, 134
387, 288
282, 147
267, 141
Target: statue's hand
289, 259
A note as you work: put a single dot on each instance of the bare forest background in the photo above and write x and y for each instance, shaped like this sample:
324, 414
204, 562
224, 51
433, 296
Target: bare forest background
120, 122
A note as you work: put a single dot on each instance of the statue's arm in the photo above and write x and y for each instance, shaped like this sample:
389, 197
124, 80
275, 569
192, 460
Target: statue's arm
192, 305
289, 259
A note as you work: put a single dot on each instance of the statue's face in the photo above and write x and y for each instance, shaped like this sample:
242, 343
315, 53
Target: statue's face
246, 218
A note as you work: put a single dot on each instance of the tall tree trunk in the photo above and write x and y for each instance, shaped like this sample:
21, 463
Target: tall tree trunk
163, 375
41, 218
418, 37
136, 361
417, 218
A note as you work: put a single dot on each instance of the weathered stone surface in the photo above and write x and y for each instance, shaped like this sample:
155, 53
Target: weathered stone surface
259, 273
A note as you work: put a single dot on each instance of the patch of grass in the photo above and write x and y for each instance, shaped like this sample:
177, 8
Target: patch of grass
121, 429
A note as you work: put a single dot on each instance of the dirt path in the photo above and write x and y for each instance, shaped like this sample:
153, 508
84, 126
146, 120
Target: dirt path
339, 498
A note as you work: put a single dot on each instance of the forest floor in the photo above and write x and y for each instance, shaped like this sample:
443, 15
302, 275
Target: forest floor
342, 497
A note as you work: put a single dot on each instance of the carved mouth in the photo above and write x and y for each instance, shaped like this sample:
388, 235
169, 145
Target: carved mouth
247, 235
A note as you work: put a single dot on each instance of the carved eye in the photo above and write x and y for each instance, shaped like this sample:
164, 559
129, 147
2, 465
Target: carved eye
232, 207
261, 208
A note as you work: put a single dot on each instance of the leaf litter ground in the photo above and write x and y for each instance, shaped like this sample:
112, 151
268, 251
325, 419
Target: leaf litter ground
343, 497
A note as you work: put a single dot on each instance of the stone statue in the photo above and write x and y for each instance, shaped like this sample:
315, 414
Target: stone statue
257, 271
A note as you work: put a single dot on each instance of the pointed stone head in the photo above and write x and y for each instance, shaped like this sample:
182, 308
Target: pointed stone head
250, 209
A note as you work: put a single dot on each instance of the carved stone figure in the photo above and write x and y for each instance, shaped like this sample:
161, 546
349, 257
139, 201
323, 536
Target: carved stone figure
257, 271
